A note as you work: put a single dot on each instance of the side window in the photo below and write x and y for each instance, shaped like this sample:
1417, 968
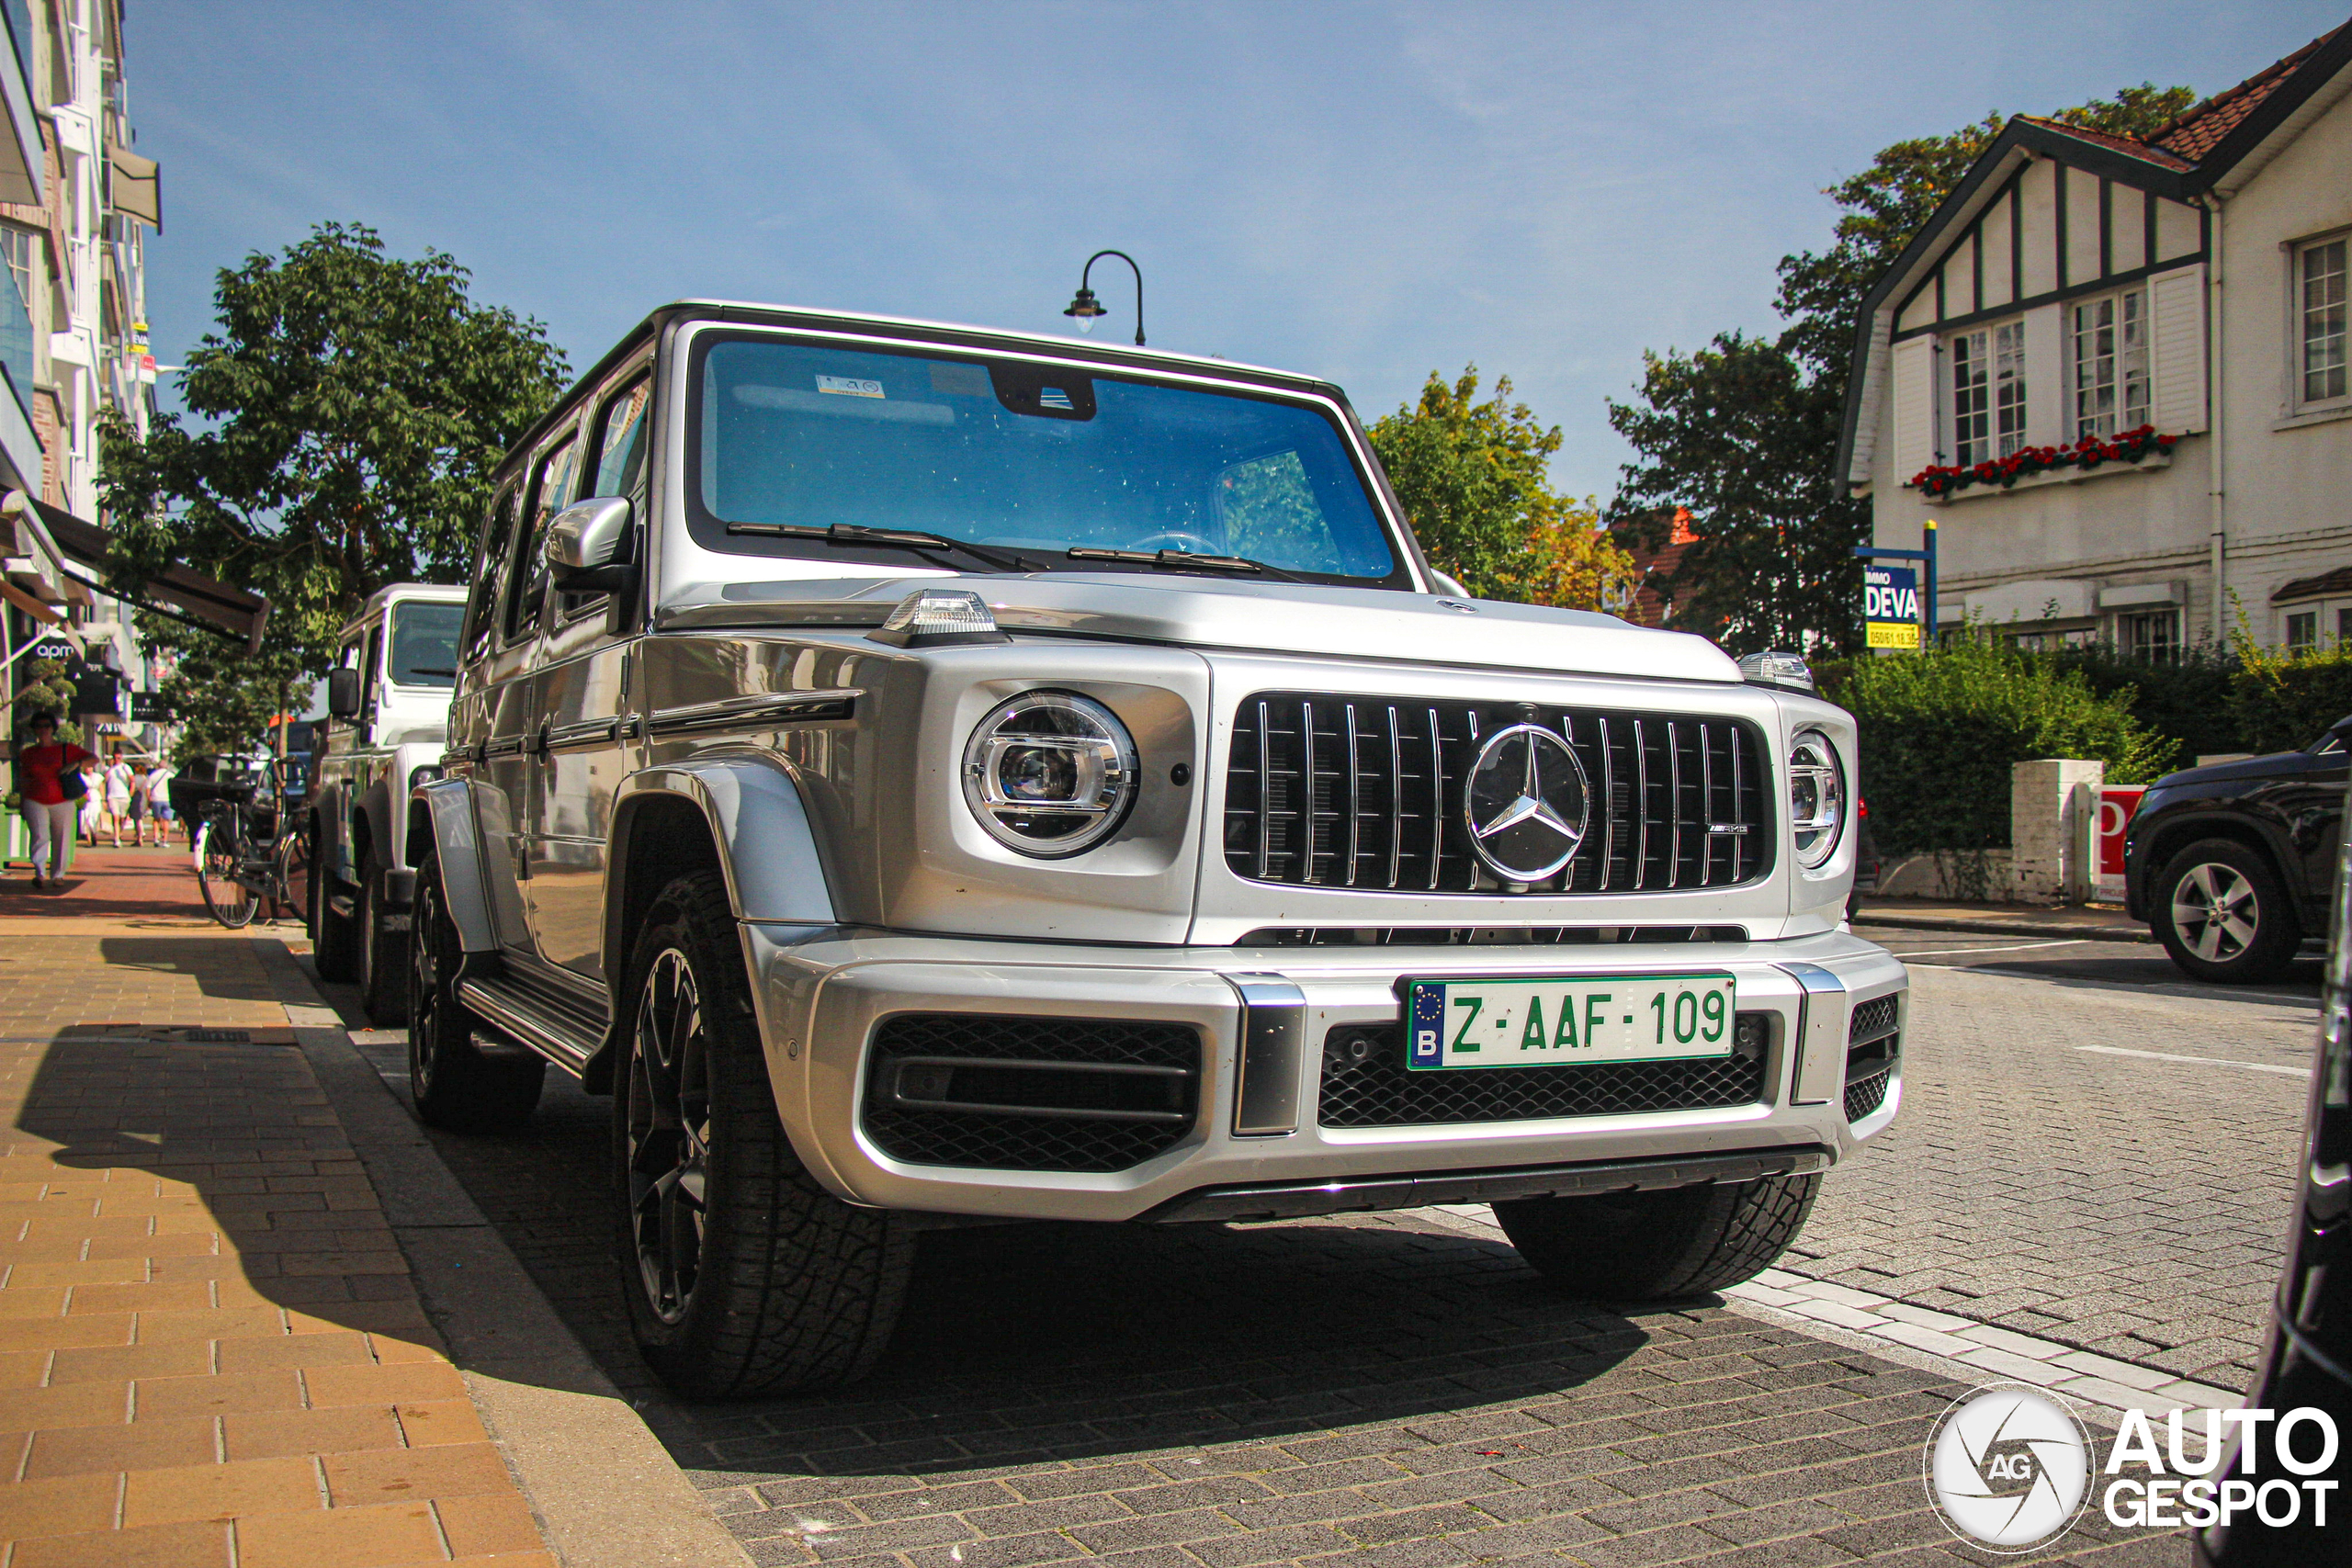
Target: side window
498, 537
372, 674
621, 439
550, 490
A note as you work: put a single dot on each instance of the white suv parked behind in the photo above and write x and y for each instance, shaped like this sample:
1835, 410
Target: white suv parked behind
388, 707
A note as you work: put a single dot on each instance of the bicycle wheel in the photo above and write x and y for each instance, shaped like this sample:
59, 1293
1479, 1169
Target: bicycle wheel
291, 866
232, 903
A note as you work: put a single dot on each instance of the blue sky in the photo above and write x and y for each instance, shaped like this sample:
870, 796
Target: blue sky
1366, 190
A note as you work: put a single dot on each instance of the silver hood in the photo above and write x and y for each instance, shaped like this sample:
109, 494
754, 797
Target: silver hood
1269, 617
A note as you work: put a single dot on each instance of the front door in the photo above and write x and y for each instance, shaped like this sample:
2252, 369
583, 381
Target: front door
583, 692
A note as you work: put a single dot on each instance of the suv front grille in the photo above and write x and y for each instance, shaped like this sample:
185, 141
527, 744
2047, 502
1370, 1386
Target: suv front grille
1366, 1084
1367, 793
1008, 1093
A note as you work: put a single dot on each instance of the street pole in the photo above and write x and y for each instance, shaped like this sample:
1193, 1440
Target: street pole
1927, 542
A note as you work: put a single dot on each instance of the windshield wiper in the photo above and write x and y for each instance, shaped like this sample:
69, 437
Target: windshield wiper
857, 534
1184, 561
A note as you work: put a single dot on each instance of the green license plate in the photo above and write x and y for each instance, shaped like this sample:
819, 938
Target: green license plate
1568, 1022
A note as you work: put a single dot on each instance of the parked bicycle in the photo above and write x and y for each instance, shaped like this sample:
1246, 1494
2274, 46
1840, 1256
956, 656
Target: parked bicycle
249, 849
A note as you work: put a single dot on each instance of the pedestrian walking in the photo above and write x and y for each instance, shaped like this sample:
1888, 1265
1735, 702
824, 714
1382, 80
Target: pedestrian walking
51, 781
156, 785
93, 798
121, 779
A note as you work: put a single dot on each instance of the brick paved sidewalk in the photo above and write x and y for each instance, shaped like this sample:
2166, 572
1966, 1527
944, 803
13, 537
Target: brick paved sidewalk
112, 883
211, 1350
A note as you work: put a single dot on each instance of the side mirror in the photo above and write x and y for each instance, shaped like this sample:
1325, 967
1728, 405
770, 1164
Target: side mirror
582, 542
343, 693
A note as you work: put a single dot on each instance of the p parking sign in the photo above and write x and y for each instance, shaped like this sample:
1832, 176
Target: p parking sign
1890, 606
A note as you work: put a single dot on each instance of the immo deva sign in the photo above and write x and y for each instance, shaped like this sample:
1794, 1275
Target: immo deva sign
1890, 606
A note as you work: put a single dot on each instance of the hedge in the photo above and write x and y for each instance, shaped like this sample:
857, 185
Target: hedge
1940, 729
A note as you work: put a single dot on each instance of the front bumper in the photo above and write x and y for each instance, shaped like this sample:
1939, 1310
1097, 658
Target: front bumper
821, 992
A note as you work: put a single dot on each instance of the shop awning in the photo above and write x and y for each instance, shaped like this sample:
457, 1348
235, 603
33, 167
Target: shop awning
138, 186
179, 593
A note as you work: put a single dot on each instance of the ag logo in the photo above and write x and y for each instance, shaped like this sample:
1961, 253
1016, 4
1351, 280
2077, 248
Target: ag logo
2009, 1468
1526, 804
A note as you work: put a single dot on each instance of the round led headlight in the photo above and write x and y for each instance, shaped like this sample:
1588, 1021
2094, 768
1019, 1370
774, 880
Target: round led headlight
1050, 773
1816, 798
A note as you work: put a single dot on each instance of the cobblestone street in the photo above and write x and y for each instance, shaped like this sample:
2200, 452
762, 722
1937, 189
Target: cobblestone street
1398, 1388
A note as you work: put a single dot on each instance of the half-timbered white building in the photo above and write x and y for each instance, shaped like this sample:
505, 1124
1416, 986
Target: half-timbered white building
2081, 287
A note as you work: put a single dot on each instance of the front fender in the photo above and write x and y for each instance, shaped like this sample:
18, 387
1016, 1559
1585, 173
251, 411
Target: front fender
767, 846
441, 816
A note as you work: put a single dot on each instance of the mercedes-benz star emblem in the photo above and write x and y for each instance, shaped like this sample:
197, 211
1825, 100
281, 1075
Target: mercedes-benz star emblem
1527, 805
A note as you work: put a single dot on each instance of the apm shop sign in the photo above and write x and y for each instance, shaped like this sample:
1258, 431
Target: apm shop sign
1890, 606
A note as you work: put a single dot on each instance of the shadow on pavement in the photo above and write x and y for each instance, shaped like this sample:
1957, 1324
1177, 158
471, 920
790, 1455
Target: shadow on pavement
1031, 1343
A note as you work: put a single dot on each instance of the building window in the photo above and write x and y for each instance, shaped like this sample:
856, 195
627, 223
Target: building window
2150, 634
1988, 393
2302, 631
2323, 322
2111, 364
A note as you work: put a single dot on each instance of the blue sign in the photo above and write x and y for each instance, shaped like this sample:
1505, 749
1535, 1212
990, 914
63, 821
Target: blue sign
1890, 606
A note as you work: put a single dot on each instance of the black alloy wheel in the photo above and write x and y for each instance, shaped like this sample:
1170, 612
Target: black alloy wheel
743, 1274
669, 1135
453, 1083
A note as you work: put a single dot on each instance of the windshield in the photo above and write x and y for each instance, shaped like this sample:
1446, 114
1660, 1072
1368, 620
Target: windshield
1033, 461
425, 644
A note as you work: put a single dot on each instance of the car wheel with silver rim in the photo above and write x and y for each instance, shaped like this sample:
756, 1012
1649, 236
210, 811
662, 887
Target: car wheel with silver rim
2223, 915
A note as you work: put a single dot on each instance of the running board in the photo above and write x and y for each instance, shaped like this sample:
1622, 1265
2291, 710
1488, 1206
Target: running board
503, 1009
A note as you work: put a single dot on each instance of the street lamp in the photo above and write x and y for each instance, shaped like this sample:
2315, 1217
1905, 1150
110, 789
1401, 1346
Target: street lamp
1086, 308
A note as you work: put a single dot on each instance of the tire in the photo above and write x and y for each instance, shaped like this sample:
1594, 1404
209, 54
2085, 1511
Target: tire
383, 955
1684, 1241
232, 903
766, 1283
2223, 915
331, 935
453, 1082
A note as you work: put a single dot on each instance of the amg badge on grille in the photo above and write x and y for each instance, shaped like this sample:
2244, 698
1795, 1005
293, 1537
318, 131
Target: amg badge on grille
1526, 804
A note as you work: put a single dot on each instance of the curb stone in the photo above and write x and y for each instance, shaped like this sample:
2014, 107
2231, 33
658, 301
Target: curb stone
605, 1490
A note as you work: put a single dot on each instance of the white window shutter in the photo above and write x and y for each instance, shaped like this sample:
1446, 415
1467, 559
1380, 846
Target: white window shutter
2176, 314
1912, 371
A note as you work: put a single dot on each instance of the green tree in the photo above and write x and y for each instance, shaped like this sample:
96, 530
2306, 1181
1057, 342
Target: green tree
1472, 478
221, 698
347, 413
1744, 432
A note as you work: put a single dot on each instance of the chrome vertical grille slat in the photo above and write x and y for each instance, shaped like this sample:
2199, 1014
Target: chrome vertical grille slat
1355, 798
1286, 794
1608, 807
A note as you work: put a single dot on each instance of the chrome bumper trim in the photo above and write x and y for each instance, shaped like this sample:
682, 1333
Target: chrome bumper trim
1293, 1199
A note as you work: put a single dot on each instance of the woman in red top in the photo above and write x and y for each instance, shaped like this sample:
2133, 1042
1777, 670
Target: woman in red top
49, 815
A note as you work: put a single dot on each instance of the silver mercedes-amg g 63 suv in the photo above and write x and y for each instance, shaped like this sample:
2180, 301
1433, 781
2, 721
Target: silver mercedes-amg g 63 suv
929, 775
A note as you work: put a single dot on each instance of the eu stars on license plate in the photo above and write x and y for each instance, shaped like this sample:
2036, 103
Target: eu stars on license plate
1569, 1022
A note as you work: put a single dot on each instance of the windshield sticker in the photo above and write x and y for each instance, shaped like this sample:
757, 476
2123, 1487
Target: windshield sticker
850, 385
1052, 397
970, 380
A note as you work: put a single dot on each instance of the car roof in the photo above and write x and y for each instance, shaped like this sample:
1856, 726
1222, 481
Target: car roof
908, 329
418, 593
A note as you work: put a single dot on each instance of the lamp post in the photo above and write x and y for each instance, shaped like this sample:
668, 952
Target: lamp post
1086, 308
